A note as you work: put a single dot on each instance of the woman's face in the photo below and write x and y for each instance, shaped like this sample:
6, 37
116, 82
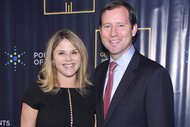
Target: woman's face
66, 58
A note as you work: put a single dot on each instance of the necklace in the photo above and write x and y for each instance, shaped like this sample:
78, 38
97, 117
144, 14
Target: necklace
71, 109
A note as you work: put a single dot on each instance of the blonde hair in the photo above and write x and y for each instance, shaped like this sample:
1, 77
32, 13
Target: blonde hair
48, 74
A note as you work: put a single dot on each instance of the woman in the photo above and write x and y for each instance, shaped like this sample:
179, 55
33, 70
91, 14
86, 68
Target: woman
63, 96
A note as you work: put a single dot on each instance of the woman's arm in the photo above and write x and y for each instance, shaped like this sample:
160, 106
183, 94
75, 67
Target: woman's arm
28, 116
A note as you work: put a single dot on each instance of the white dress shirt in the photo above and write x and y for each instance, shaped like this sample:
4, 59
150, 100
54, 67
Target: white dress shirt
119, 71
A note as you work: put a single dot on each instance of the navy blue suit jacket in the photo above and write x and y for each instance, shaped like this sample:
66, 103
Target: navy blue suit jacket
144, 97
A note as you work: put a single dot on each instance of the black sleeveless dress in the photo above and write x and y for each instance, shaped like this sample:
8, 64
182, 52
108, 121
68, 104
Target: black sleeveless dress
54, 110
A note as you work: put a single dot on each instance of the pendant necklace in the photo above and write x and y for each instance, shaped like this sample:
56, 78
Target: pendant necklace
71, 110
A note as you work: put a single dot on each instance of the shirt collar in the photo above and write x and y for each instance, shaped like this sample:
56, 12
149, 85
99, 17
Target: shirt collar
125, 58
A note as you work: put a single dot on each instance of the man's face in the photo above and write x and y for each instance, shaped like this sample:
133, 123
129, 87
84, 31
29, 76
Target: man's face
116, 31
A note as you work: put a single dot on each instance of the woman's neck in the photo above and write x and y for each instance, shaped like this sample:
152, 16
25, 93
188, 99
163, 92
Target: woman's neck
67, 82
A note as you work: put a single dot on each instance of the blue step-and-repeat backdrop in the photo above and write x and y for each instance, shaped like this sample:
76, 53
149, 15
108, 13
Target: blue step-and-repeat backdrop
26, 26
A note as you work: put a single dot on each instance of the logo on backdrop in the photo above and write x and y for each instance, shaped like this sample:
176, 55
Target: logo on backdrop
14, 58
39, 58
56, 7
5, 123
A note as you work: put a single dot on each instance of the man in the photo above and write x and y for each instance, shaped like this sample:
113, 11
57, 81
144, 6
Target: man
141, 89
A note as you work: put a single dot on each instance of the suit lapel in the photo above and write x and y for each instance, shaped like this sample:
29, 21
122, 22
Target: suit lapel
102, 80
100, 90
124, 84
